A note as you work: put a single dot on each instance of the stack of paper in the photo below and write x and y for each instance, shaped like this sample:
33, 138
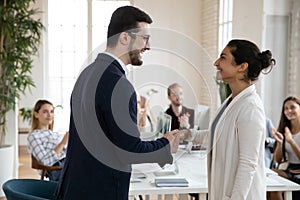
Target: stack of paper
171, 182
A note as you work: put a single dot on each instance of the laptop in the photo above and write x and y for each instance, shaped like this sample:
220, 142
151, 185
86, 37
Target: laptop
163, 124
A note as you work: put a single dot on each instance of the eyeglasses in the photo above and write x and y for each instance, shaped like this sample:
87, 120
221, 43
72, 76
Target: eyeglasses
145, 37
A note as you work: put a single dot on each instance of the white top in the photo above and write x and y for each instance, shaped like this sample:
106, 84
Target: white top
41, 144
291, 156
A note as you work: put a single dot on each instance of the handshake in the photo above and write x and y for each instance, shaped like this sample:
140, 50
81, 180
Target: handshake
175, 137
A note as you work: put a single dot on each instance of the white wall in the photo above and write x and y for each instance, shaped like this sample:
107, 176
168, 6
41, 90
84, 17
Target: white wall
266, 24
276, 35
178, 54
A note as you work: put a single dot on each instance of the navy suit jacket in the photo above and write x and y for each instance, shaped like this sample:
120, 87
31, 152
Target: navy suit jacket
104, 138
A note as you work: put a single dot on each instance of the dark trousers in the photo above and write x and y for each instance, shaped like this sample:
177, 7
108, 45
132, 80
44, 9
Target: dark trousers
55, 175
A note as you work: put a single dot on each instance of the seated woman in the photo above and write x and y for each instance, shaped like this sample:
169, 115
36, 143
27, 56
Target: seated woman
287, 147
145, 119
48, 147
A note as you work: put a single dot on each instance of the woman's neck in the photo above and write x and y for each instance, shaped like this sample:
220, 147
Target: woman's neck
43, 127
238, 88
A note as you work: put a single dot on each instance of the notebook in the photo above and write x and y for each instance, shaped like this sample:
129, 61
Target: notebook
171, 182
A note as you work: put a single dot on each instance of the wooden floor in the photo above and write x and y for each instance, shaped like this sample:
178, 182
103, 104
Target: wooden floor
25, 170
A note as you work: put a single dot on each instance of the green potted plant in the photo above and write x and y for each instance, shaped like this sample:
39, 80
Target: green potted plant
26, 114
224, 90
20, 35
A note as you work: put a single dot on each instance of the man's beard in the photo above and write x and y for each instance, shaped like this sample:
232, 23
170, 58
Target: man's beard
134, 58
176, 104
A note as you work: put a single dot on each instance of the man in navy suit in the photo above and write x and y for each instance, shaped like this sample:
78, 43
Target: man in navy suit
104, 138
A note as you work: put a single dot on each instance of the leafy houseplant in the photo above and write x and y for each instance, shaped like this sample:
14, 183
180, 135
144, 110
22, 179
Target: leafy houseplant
26, 114
224, 90
20, 36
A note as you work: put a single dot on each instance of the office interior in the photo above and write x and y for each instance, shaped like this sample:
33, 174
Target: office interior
187, 56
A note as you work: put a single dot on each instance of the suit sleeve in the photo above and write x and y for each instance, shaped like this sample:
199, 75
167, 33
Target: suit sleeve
117, 115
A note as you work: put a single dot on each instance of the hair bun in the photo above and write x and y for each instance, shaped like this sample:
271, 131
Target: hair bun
266, 60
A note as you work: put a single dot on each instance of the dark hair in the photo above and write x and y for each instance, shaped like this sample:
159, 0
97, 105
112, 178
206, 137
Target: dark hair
124, 19
246, 51
37, 107
285, 122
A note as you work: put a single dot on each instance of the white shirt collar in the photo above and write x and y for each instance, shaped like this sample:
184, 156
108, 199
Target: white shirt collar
119, 61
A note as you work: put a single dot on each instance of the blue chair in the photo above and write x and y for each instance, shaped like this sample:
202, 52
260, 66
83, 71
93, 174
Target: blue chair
29, 189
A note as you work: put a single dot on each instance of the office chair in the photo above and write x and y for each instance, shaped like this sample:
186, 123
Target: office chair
29, 189
35, 164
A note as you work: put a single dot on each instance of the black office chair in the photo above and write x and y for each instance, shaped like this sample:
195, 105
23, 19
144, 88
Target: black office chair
29, 189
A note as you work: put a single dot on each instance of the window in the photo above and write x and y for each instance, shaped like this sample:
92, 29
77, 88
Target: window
74, 29
225, 23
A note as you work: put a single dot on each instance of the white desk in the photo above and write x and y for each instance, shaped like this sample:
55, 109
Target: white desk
193, 168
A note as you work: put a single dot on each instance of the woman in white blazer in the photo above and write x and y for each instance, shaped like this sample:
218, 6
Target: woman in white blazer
236, 137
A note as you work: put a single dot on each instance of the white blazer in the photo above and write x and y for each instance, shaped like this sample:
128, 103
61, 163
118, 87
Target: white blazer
235, 160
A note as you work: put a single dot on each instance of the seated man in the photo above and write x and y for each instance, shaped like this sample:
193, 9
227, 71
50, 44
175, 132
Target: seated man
269, 143
182, 117
48, 147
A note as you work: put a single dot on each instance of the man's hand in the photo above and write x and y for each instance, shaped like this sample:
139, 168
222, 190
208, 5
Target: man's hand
174, 139
184, 120
185, 135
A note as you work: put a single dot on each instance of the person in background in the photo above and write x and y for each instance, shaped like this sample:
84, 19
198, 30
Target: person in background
269, 143
287, 147
145, 119
104, 136
236, 137
47, 146
182, 117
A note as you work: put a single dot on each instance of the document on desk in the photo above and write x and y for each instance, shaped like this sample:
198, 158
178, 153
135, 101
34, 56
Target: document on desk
171, 182
145, 168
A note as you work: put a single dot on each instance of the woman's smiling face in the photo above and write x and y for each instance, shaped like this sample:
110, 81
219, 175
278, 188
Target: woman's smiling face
291, 110
227, 70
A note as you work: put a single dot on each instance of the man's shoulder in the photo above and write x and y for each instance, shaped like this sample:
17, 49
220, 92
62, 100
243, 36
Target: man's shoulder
190, 110
169, 110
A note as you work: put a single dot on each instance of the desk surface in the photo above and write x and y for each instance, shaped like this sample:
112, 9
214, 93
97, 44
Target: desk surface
193, 168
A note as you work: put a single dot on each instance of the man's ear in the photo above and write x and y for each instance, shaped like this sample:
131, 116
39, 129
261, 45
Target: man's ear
124, 38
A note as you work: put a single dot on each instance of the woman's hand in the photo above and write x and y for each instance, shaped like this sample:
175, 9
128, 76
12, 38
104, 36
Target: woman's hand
277, 135
185, 135
288, 135
65, 139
